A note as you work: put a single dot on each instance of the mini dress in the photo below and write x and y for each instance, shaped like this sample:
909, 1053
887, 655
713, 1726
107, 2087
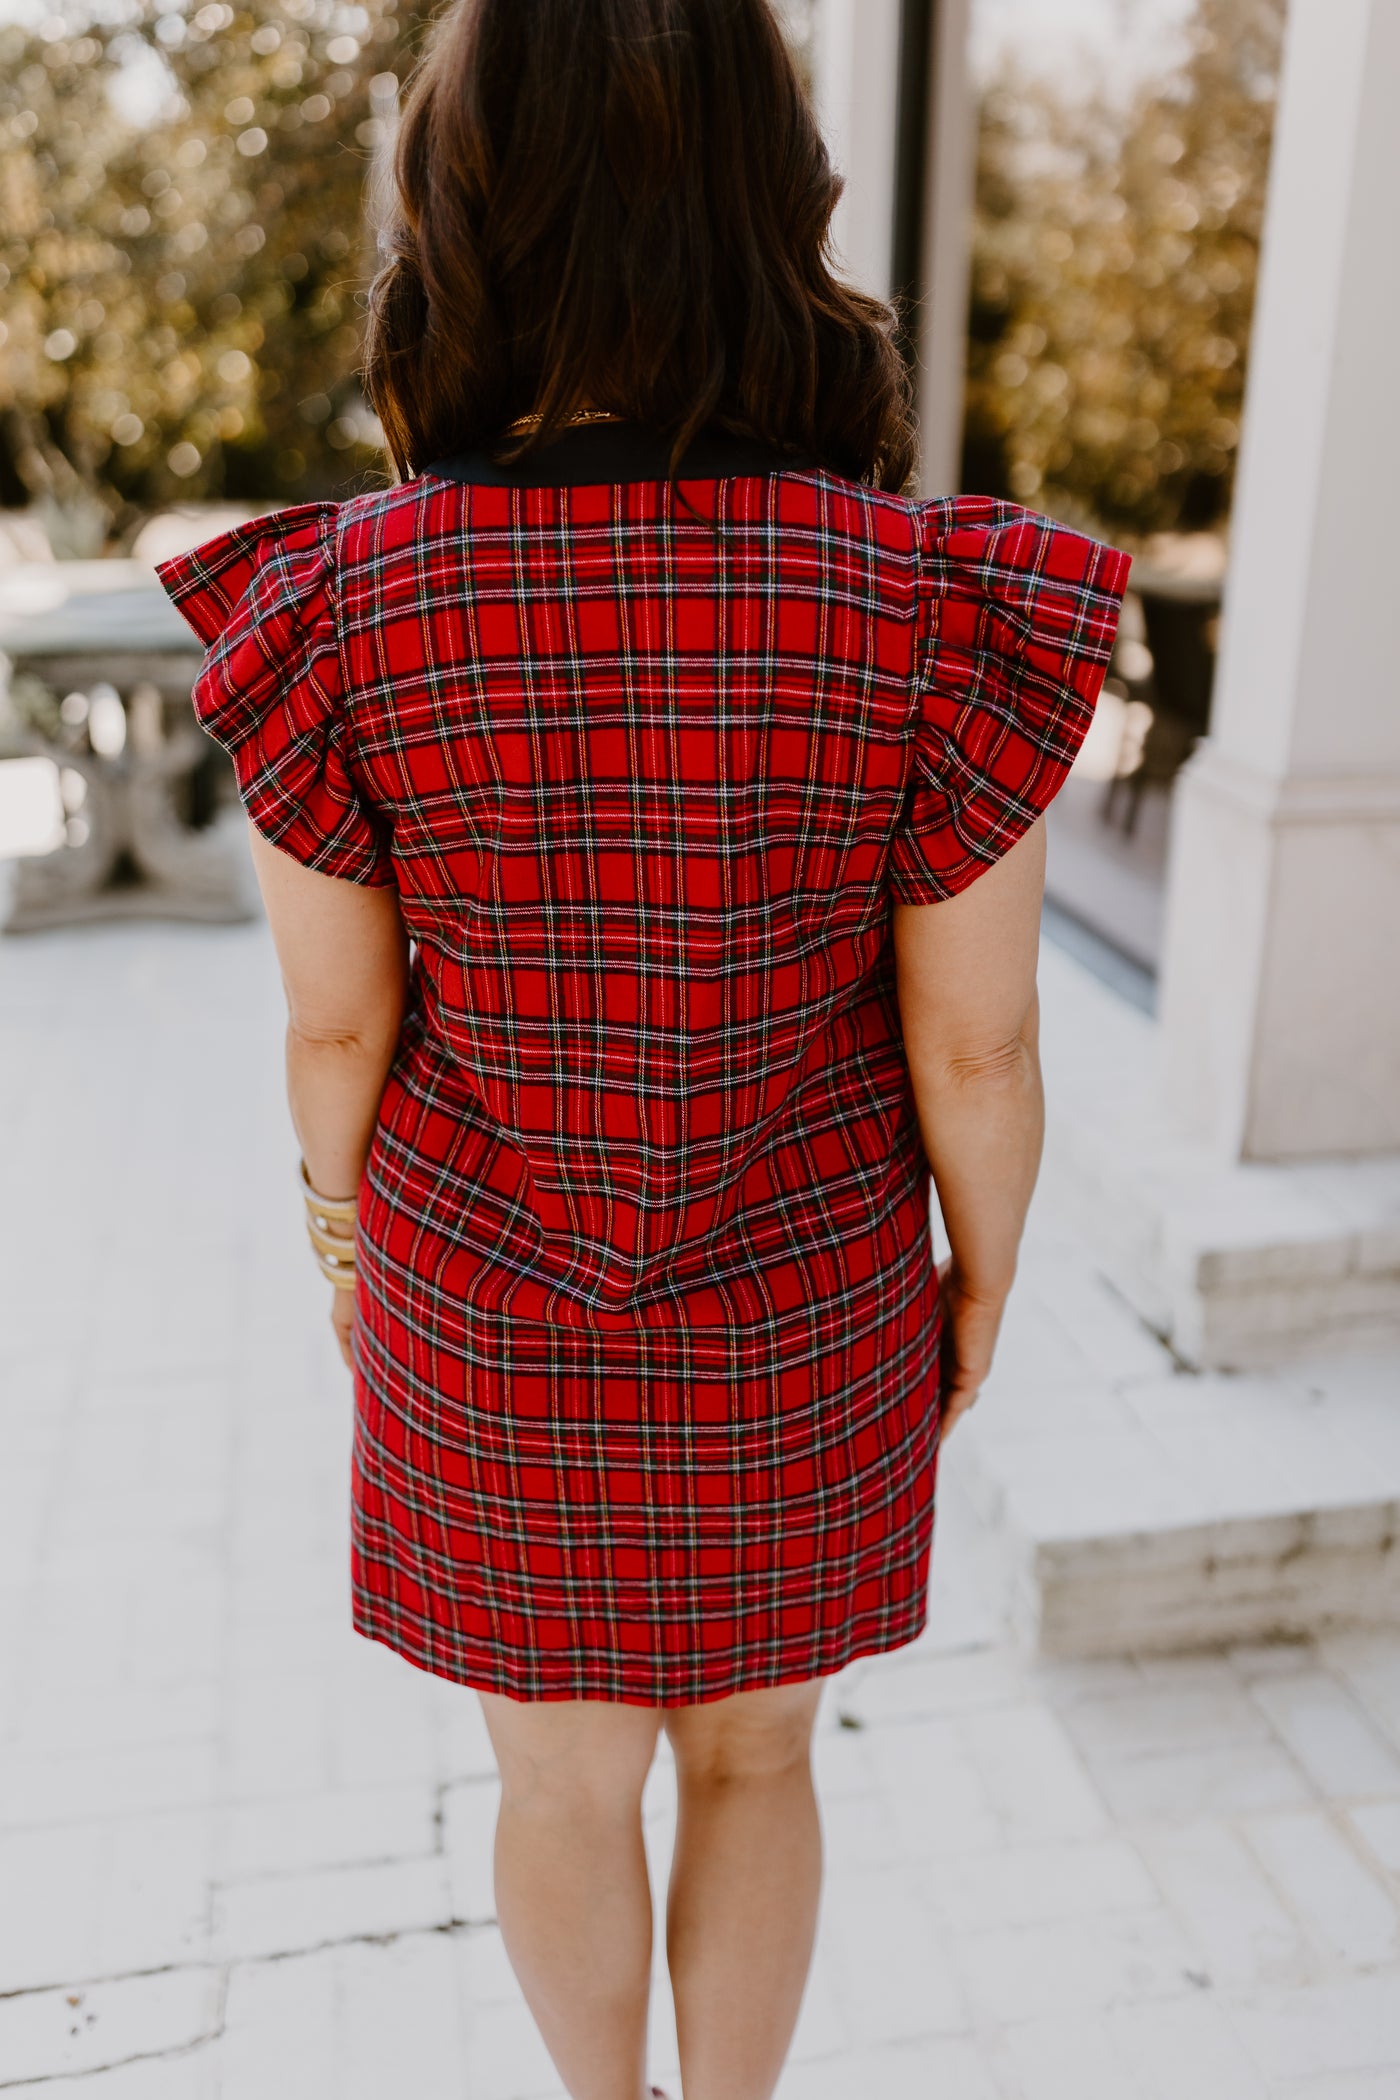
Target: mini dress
647, 1324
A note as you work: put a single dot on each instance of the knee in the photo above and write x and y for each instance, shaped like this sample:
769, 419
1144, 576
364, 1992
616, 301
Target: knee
743, 1741
586, 1792
579, 1777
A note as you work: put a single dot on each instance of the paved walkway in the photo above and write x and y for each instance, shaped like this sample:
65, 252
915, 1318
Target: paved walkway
245, 1856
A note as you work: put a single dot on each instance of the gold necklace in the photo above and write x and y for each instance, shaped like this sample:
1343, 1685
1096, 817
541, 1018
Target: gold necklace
523, 425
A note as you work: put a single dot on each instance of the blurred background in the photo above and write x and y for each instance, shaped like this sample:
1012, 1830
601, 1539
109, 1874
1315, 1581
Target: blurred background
186, 249
1125, 1822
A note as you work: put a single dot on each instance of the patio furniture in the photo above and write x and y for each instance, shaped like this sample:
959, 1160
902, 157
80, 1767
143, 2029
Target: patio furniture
114, 663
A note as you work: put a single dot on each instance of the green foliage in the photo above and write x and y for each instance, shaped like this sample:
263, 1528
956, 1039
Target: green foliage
180, 295
1115, 258
181, 292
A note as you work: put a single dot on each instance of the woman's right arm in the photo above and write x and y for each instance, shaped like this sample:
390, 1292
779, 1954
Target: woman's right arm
966, 973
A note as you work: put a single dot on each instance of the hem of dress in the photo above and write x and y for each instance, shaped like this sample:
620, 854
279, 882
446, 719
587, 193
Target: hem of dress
487, 1681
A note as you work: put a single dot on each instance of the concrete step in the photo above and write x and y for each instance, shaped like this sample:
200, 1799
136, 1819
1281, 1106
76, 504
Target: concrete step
1182, 1511
1238, 1264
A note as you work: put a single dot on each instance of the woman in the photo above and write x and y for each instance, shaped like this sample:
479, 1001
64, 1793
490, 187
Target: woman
645, 795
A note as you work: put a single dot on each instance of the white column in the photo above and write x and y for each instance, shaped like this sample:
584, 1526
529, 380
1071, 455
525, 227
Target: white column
856, 74
1281, 974
946, 263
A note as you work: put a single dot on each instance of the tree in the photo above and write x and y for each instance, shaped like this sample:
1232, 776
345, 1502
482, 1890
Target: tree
1115, 258
181, 293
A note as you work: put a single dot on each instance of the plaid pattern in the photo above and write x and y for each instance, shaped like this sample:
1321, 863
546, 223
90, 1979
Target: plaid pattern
646, 1350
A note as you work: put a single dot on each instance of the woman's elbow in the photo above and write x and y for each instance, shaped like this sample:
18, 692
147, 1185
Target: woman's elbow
368, 1037
1006, 1065
988, 1052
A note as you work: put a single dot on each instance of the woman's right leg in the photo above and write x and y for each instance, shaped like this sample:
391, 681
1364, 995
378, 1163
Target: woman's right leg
572, 1893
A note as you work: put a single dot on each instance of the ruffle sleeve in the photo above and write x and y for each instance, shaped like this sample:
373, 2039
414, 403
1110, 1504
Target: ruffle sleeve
261, 599
1017, 616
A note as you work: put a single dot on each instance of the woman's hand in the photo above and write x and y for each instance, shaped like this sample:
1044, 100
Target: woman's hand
970, 1327
343, 1302
343, 1321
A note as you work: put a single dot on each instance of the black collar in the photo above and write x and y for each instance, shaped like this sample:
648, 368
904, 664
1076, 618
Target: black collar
593, 453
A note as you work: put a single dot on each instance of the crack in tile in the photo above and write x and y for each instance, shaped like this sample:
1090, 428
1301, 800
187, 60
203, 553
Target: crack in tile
223, 1965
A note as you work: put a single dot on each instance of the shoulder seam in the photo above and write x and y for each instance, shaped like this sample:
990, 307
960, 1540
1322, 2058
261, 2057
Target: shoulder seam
917, 513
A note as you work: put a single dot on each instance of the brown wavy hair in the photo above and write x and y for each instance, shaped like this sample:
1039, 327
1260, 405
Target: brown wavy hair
623, 205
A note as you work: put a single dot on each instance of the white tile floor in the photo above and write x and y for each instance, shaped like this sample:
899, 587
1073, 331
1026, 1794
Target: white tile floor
245, 1856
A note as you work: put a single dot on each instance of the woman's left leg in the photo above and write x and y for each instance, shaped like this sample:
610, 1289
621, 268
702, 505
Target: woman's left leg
745, 1879
572, 1893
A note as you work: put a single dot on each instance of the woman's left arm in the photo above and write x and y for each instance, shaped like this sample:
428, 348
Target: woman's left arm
343, 953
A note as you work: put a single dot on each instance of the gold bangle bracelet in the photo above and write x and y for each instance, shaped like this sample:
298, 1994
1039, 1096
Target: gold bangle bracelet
332, 1250
333, 1209
332, 1257
331, 1243
343, 1279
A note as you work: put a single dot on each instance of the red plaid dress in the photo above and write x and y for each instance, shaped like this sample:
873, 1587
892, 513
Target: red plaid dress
647, 1325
